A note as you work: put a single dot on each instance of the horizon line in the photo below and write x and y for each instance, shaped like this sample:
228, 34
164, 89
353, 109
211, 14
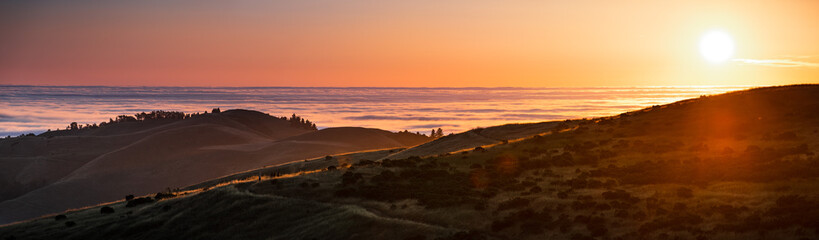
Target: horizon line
382, 87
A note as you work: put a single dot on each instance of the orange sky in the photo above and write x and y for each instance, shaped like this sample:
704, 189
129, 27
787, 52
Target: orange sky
404, 43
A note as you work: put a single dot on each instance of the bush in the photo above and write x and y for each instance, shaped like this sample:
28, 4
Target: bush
501, 224
471, 235
513, 203
161, 195
597, 226
345, 192
685, 192
350, 177
620, 195
139, 201
532, 227
129, 197
563, 195
60, 217
416, 237
106, 210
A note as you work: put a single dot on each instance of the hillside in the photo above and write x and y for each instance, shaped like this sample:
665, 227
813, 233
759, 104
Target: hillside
106, 163
741, 165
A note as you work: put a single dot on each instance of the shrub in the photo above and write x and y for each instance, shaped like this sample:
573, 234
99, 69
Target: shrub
639, 216
597, 226
563, 194
129, 197
728, 212
685, 192
350, 177
602, 207
583, 204
471, 235
578, 236
106, 210
345, 192
416, 237
480, 206
139, 201
513, 203
532, 227
620, 195
385, 176
364, 162
501, 224
621, 213
161, 195
331, 168
60, 217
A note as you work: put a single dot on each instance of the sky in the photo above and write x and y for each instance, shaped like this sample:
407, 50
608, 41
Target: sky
385, 43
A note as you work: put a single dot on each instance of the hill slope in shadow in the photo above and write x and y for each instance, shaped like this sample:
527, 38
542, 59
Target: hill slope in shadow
104, 164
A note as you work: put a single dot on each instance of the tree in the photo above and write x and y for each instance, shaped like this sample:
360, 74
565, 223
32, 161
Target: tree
432, 134
73, 126
216, 110
440, 132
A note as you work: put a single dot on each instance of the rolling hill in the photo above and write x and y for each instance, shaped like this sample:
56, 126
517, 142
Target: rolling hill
740, 165
103, 164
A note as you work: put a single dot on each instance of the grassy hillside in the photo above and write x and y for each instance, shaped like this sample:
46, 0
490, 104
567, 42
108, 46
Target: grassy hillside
741, 165
94, 165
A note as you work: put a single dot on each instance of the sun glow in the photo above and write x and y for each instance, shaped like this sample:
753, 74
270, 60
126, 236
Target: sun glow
716, 46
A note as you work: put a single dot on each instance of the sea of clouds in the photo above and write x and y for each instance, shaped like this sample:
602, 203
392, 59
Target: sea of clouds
34, 109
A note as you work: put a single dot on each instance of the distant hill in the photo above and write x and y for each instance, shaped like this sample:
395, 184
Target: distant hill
477, 138
741, 165
102, 164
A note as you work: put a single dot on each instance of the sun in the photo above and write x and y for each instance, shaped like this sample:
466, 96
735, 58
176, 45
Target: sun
716, 46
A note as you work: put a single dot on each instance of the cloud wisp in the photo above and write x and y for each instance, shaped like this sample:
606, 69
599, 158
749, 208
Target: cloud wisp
788, 63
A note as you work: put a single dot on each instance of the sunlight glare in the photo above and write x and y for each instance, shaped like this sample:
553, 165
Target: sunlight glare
716, 46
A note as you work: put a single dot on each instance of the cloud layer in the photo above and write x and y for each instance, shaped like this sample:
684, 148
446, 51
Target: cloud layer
25, 109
